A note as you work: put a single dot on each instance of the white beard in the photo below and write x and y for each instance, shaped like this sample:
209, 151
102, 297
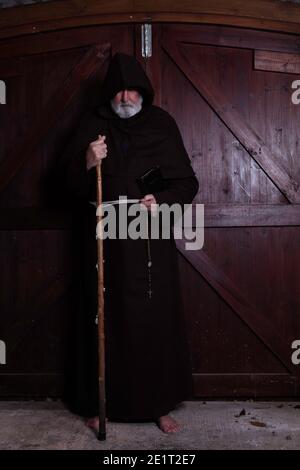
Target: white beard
128, 109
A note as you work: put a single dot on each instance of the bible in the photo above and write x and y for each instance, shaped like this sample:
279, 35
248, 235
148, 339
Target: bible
151, 182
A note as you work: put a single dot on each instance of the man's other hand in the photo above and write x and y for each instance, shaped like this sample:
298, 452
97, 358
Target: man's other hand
150, 202
95, 152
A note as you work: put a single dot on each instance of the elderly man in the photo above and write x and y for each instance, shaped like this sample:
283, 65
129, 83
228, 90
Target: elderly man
147, 361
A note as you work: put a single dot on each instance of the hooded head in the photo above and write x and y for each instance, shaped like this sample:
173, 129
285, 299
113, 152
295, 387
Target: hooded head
125, 72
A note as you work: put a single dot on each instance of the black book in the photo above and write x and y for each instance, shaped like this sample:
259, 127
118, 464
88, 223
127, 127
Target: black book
151, 182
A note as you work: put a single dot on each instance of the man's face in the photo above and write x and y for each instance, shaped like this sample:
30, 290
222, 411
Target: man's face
127, 103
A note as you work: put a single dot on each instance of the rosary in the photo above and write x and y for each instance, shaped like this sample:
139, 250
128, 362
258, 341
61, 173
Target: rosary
149, 260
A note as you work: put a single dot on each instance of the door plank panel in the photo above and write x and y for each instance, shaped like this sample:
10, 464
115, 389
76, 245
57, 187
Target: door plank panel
231, 294
245, 385
276, 62
94, 58
270, 161
252, 215
18, 331
224, 36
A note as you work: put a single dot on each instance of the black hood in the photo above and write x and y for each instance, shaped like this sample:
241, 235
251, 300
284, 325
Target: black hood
125, 72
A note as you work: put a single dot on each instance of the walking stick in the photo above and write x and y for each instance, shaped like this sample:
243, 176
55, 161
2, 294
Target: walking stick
101, 333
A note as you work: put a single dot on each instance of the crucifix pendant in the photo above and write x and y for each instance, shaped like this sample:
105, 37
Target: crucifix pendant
150, 292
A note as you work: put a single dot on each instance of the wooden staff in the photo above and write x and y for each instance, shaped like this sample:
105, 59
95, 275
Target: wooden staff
101, 333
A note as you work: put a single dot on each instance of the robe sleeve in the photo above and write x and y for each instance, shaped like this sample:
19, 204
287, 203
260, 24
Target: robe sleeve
175, 162
182, 184
180, 190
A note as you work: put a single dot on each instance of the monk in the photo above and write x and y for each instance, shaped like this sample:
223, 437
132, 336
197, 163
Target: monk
148, 369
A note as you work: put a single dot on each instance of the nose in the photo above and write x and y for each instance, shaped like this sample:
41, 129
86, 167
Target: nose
125, 95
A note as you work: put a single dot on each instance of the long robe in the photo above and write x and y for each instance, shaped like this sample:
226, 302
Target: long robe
147, 359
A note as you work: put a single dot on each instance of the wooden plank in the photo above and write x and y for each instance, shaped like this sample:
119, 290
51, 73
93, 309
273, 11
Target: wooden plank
244, 215
270, 161
206, 34
245, 385
31, 385
35, 218
64, 14
26, 385
10, 68
57, 41
16, 333
224, 36
229, 292
252, 215
277, 62
215, 215
155, 17
92, 59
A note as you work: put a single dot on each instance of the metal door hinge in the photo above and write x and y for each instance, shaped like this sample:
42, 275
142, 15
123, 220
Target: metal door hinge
146, 30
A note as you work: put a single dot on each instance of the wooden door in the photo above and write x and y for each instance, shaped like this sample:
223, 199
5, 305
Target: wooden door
231, 96
241, 292
50, 80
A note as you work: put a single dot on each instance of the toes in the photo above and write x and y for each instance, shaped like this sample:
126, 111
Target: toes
93, 423
168, 425
173, 428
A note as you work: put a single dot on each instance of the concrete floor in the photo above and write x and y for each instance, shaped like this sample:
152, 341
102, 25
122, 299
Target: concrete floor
206, 425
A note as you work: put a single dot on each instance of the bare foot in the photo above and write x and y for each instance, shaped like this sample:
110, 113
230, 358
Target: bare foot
168, 424
93, 423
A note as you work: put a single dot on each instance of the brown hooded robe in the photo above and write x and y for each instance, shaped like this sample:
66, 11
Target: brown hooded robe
147, 362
